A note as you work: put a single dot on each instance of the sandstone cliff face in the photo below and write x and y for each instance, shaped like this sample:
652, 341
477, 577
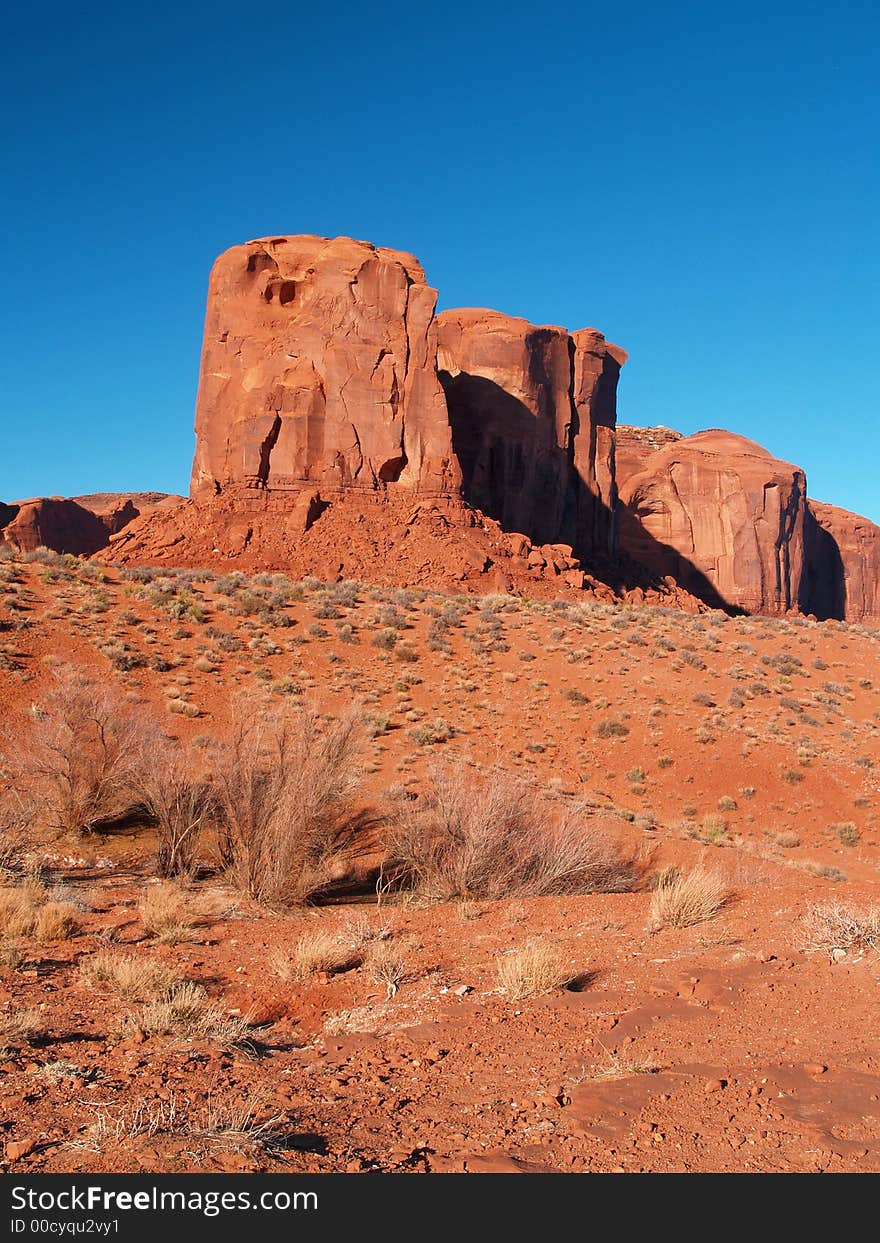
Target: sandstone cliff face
843, 565
633, 445
319, 368
723, 517
532, 411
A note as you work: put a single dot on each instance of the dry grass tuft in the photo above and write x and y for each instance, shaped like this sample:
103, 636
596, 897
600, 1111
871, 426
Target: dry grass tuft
18, 1028
618, 1067
237, 1123
361, 931
532, 970
172, 914
129, 976
680, 901
832, 926
491, 837
228, 1123
18, 910
186, 1012
56, 921
313, 953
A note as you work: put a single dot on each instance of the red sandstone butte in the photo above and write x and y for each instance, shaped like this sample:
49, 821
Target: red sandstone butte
533, 411
723, 517
319, 369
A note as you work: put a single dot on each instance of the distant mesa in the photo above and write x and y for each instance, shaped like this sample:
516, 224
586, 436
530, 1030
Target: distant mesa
80, 525
344, 428
719, 506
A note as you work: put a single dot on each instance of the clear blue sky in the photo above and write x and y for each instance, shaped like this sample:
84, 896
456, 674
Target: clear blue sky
698, 181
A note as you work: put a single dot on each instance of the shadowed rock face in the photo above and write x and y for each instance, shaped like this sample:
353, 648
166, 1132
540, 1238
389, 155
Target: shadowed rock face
719, 505
533, 411
319, 368
843, 564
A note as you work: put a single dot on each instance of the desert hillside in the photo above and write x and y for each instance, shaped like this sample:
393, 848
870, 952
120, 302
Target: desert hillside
668, 997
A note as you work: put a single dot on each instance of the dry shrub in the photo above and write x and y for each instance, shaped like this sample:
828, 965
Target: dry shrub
679, 901
186, 1012
16, 819
56, 921
18, 1028
387, 964
79, 754
490, 837
285, 791
314, 952
172, 914
129, 976
239, 1124
832, 926
361, 930
532, 970
179, 803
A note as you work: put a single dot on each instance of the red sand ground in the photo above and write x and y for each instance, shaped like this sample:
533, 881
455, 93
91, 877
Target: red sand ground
724, 1046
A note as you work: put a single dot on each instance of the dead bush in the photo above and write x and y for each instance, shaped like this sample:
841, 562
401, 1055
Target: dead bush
832, 926
387, 964
490, 837
285, 789
79, 753
178, 801
681, 900
16, 819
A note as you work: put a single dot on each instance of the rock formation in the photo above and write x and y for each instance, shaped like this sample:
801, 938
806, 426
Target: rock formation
343, 429
734, 525
319, 369
81, 525
633, 445
723, 517
533, 411
843, 565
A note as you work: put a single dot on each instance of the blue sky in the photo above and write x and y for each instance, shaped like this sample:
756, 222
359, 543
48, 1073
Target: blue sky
698, 181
